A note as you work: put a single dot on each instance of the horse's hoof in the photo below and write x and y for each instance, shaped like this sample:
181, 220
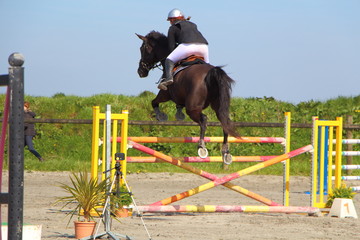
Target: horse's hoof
227, 158
161, 117
203, 152
180, 116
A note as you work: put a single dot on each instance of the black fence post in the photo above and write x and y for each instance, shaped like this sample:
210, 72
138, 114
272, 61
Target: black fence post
16, 147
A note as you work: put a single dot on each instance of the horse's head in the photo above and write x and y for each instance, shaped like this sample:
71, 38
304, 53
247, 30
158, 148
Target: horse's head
153, 50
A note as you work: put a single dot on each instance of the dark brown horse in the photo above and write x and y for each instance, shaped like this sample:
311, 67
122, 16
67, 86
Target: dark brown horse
194, 88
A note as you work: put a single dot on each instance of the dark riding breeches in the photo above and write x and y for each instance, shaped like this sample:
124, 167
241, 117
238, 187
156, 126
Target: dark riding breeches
29, 143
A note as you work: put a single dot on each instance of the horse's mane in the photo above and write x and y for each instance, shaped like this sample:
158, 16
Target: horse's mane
157, 37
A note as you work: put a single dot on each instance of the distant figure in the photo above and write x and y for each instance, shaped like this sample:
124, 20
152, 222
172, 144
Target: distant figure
29, 131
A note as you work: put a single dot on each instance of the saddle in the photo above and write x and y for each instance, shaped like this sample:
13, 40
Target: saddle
187, 62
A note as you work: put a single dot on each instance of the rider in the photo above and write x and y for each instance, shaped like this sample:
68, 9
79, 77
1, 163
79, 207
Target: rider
184, 40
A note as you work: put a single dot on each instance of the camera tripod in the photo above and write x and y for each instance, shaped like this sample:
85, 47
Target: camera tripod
106, 214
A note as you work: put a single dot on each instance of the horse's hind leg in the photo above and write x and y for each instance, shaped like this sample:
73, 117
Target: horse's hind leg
201, 119
202, 151
225, 153
163, 96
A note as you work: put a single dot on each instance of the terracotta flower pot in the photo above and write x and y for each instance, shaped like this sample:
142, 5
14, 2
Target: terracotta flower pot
84, 229
122, 212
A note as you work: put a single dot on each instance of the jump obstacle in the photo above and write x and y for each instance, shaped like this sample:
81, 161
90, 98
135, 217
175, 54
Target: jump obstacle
327, 142
285, 141
215, 181
220, 181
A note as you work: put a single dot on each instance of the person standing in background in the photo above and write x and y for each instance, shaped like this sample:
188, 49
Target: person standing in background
29, 131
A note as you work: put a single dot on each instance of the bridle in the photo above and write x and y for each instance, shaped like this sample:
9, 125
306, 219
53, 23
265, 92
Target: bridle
149, 66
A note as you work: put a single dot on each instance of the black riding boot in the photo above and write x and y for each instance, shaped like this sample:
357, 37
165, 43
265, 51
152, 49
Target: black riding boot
169, 66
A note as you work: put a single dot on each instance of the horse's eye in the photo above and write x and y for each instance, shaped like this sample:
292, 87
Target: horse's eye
148, 48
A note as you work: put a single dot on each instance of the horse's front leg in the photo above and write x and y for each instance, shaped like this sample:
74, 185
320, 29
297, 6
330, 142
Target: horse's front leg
202, 151
163, 96
225, 153
180, 116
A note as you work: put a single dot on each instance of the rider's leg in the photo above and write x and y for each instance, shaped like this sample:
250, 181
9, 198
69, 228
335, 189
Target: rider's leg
205, 52
180, 52
197, 49
169, 66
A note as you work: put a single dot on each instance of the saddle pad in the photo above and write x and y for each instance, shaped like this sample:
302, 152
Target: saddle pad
187, 62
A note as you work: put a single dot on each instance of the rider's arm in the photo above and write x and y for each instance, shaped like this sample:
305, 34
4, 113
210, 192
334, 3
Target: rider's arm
171, 38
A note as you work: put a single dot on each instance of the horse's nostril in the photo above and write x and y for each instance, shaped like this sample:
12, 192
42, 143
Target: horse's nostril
142, 73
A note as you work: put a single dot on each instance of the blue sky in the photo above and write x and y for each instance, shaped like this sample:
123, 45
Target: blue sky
292, 50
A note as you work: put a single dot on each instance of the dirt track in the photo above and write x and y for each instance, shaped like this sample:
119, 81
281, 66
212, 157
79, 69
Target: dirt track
41, 192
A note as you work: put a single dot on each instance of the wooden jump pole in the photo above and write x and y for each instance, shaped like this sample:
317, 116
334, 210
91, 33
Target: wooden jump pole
226, 179
200, 172
219, 159
228, 208
206, 139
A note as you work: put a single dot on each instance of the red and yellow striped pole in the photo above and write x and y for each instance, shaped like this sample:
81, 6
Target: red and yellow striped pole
149, 159
228, 208
206, 139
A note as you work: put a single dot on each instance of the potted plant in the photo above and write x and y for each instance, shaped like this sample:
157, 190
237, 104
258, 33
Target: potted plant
342, 192
85, 195
122, 201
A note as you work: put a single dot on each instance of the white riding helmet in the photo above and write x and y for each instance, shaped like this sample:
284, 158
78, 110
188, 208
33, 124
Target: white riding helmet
175, 13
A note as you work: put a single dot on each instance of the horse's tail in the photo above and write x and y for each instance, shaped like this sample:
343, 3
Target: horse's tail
219, 87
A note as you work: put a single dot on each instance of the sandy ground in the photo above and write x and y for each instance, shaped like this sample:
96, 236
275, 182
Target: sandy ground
41, 191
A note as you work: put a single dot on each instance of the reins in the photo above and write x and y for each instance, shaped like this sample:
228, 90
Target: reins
149, 66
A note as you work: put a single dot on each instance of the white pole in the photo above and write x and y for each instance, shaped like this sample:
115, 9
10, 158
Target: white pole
108, 161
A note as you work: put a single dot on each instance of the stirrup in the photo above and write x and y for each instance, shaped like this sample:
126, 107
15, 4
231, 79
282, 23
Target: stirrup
168, 82
162, 86
164, 83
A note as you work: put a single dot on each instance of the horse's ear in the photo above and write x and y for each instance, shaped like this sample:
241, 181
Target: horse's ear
141, 37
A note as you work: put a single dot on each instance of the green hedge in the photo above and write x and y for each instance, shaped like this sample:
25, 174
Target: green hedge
68, 146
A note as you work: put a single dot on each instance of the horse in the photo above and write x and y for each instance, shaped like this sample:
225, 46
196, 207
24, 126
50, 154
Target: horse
195, 88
